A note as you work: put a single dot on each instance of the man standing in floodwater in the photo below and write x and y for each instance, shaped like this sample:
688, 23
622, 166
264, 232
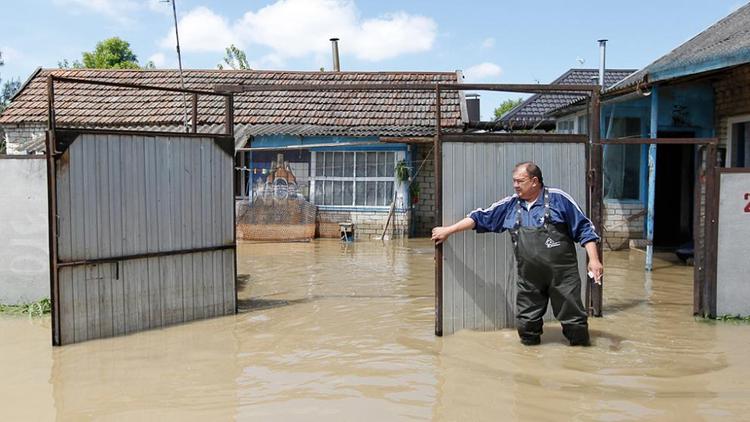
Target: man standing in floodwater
544, 223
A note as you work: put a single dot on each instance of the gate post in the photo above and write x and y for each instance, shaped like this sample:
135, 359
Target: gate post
438, 164
595, 197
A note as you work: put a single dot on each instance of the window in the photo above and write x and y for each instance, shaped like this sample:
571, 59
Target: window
622, 163
583, 125
565, 126
739, 144
348, 178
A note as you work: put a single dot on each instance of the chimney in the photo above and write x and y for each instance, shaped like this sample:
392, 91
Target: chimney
602, 60
335, 48
472, 107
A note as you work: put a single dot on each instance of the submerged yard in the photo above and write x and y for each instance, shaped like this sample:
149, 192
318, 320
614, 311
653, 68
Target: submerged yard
332, 331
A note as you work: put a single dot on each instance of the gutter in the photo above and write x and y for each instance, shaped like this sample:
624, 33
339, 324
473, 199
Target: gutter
640, 85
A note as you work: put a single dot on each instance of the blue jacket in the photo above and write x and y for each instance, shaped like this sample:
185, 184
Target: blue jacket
501, 216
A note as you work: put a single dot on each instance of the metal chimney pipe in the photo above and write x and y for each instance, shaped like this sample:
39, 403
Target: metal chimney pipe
602, 60
335, 48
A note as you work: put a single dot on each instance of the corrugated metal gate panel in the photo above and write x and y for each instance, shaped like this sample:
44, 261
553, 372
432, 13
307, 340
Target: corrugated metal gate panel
479, 273
120, 195
128, 195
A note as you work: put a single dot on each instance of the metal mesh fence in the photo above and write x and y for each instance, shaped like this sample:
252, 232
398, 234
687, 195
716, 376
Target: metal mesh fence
276, 219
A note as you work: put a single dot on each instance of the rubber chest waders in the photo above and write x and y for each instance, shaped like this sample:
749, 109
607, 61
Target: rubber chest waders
547, 270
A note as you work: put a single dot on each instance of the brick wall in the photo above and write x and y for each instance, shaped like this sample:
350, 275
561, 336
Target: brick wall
24, 134
424, 209
622, 222
367, 225
732, 94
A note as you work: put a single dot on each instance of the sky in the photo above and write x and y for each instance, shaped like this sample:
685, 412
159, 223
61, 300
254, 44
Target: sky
494, 41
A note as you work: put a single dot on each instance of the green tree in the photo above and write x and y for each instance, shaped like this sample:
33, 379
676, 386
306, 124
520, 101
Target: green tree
7, 88
65, 64
112, 53
506, 106
235, 59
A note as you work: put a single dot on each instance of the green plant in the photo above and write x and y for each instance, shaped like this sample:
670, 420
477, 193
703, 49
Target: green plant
414, 192
736, 319
38, 308
733, 318
402, 171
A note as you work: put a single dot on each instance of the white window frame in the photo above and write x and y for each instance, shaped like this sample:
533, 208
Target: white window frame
566, 121
314, 178
731, 121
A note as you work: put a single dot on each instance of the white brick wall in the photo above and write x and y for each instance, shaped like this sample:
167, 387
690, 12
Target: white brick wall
367, 225
622, 222
22, 134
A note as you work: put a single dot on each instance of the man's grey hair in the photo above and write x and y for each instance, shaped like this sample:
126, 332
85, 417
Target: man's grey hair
532, 170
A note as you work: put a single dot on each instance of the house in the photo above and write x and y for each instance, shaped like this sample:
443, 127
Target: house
699, 89
353, 182
532, 113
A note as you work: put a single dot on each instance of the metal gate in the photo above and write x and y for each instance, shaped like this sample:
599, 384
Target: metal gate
475, 276
483, 305
479, 271
141, 230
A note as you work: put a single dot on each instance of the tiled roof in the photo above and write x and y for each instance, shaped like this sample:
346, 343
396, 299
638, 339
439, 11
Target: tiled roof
725, 43
531, 113
338, 113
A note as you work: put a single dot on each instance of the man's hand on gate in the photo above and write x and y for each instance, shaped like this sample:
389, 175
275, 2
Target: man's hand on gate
439, 234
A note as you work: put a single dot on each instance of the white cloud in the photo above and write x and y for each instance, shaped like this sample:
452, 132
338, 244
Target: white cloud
296, 28
201, 30
488, 42
116, 9
302, 28
482, 71
159, 59
10, 54
394, 35
160, 6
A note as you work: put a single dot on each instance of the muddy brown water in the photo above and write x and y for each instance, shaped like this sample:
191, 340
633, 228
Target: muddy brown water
345, 332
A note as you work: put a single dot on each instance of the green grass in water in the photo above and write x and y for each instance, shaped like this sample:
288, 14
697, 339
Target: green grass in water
737, 319
38, 308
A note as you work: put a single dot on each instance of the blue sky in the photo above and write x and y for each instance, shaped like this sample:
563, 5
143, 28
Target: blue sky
490, 41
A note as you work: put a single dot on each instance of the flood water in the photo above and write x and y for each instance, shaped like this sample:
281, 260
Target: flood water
345, 332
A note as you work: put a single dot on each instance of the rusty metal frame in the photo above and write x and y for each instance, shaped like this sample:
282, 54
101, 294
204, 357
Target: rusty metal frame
593, 194
55, 134
704, 268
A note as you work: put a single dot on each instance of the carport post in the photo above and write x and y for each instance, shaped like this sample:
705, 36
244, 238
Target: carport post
652, 179
438, 164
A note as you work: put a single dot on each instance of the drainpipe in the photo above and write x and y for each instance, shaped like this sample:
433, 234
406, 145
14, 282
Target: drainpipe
335, 50
652, 180
602, 60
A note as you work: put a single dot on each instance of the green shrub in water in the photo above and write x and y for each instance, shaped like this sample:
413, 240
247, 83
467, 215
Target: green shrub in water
38, 308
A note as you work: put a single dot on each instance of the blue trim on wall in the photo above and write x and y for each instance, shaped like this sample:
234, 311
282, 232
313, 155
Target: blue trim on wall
280, 141
644, 175
383, 210
381, 147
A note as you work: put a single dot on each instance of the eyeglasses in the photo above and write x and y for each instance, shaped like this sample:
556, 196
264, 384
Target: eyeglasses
521, 181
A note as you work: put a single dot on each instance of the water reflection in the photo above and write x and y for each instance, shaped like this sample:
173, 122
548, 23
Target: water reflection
340, 332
